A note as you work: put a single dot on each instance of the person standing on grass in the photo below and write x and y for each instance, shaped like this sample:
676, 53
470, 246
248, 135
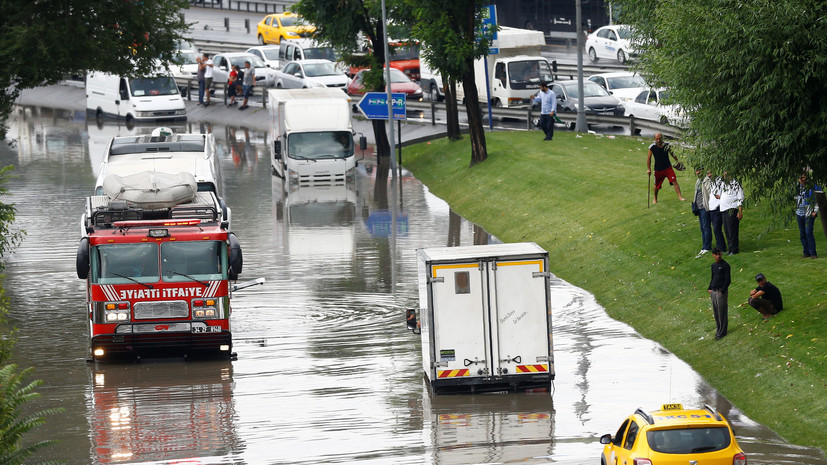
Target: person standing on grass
703, 185
548, 107
732, 200
718, 289
716, 188
663, 167
806, 211
766, 298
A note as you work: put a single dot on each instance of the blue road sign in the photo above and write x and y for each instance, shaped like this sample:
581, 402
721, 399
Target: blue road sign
374, 105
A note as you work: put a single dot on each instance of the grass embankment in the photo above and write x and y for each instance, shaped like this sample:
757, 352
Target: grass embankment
583, 198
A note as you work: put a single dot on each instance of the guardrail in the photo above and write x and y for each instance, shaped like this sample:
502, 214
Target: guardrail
528, 115
244, 5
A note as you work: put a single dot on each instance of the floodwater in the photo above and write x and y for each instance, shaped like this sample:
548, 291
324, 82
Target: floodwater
327, 371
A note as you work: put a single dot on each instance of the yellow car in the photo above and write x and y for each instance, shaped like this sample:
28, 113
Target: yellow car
673, 436
279, 26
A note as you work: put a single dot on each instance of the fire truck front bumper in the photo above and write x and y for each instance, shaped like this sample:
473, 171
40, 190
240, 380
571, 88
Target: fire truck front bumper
162, 340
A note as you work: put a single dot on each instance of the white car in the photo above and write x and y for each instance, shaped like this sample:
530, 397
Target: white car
623, 85
222, 67
269, 54
613, 42
305, 74
647, 105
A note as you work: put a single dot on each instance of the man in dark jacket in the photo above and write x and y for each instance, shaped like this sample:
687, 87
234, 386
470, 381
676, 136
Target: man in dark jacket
718, 288
766, 298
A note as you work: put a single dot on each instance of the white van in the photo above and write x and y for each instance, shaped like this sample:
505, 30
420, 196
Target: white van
134, 99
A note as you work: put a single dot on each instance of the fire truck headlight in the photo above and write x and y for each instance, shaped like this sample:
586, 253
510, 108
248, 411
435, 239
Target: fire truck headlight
198, 313
210, 313
206, 312
111, 317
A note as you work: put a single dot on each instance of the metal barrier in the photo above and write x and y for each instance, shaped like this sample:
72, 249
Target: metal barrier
190, 84
244, 5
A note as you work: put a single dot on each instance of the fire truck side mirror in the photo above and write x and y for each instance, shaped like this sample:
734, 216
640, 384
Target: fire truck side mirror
236, 259
82, 261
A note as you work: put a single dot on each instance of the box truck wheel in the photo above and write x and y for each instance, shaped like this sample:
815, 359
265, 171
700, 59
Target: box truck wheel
435, 93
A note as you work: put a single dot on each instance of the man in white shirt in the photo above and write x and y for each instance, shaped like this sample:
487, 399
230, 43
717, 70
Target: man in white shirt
207, 76
715, 219
732, 200
548, 107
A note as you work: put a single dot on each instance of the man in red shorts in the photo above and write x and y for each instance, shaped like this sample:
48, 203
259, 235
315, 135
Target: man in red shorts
663, 167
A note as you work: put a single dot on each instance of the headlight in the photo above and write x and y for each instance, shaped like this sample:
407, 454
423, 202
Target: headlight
204, 308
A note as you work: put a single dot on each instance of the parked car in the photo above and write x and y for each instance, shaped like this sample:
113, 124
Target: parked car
623, 85
673, 435
399, 83
279, 26
613, 42
308, 49
269, 54
648, 104
598, 101
222, 67
304, 74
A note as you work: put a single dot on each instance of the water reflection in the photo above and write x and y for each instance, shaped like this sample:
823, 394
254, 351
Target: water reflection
326, 370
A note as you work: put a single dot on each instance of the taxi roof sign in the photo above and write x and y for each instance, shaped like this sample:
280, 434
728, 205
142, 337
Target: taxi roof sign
666, 407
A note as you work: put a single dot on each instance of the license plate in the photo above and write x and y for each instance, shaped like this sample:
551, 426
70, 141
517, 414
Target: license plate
206, 329
606, 113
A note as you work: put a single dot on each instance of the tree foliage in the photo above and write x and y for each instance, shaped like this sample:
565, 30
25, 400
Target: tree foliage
10, 237
42, 42
14, 421
452, 39
751, 74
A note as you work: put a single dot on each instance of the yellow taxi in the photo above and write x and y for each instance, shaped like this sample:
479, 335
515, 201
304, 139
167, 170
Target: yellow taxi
671, 436
279, 26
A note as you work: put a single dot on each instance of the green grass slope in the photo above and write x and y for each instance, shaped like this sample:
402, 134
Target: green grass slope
584, 199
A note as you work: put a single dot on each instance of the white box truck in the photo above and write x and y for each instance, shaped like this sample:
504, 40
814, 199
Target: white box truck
135, 99
514, 72
312, 135
485, 317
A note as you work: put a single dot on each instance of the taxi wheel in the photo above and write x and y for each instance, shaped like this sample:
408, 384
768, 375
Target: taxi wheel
260, 40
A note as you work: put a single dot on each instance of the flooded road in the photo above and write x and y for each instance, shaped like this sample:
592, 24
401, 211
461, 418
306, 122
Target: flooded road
326, 371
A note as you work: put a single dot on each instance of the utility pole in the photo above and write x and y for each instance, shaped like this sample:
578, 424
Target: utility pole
580, 125
388, 93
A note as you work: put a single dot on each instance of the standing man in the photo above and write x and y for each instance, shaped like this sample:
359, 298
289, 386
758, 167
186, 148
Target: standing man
663, 167
806, 211
718, 288
208, 69
199, 76
548, 107
766, 298
703, 185
247, 83
732, 200
716, 188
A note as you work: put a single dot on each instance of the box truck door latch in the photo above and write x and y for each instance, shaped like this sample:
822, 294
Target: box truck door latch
541, 274
436, 279
516, 359
542, 358
467, 362
439, 364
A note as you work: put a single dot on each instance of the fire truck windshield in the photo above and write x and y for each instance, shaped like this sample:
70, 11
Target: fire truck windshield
200, 260
124, 263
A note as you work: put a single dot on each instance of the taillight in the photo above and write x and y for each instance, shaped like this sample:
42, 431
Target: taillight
642, 462
739, 459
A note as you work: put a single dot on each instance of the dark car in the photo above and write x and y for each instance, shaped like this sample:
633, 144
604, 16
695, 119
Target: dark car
598, 100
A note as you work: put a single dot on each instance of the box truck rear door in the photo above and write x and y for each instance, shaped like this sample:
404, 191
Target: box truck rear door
459, 326
521, 339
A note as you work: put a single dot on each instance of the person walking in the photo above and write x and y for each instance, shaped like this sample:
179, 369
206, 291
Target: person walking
199, 76
661, 151
548, 107
766, 298
716, 188
703, 186
732, 200
208, 70
247, 84
718, 290
806, 211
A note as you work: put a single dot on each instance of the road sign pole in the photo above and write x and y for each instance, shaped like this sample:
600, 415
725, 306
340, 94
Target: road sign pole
388, 90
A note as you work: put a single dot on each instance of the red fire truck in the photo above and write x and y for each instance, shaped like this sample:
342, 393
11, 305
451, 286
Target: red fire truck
158, 286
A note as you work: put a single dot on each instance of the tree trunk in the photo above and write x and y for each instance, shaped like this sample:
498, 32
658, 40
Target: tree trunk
452, 111
380, 134
821, 201
479, 152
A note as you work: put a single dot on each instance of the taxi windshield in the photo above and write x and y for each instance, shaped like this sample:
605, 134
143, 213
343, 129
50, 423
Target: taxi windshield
689, 440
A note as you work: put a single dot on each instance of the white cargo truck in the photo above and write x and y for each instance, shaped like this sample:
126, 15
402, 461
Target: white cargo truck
514, 72
485, 317
312, 135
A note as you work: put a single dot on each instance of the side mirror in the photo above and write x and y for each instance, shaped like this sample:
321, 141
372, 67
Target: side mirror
410, 320
606, 439
363, 143
277, 149
236, 258
82, 260
554, 65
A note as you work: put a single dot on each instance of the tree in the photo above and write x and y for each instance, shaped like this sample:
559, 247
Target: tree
14, 421
43, 42
451, 37
751, 74
9, 236
340, 23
